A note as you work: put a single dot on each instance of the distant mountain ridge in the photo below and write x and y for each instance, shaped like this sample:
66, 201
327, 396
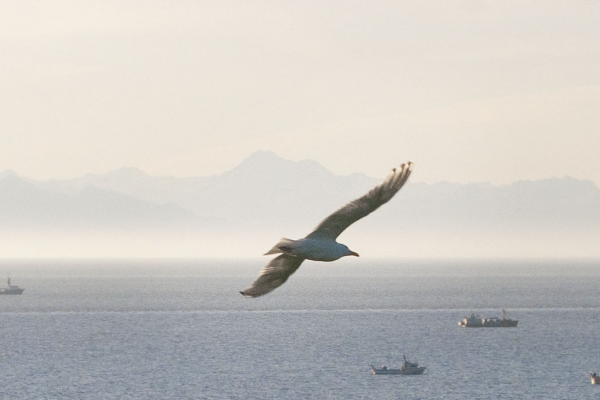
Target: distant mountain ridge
271, 196
27, 205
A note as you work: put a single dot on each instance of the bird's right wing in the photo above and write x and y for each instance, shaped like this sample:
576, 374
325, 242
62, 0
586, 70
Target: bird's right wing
336, 223
273, 275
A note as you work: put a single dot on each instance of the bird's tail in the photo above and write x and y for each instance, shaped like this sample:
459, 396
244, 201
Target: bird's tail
283, 246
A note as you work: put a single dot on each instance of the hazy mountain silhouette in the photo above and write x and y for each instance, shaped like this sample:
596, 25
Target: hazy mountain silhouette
266, 196
27, 205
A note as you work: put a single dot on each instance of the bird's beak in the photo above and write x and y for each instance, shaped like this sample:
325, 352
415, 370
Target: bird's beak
354, 254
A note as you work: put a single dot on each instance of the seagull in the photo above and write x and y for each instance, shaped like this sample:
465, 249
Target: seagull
321, 244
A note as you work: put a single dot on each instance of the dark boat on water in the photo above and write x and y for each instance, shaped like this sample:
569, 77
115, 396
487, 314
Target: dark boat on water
407, 368
475, 321
11, 289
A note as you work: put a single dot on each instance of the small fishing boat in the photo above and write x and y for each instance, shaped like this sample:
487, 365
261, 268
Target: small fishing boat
11, 289
407, 368
475, 321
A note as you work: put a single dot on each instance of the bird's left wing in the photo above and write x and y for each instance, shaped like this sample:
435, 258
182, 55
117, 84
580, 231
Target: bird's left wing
273, 275
336, 223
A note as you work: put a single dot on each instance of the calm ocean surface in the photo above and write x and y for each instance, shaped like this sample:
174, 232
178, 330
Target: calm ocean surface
179, 329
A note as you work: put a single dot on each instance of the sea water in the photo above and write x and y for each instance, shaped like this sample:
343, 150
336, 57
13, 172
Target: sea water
179, 329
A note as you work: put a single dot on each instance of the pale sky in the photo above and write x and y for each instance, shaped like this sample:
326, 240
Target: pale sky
469, 90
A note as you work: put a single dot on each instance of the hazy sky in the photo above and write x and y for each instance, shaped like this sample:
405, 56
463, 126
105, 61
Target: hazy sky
469, 90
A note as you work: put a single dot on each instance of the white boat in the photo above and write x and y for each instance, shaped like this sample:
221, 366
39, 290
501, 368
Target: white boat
595, 378
11, 289
407, 368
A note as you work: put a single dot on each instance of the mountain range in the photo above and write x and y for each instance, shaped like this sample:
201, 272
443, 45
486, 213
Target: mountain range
242, 212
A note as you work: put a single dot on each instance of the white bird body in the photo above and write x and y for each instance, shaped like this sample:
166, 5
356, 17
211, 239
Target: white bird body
321, 244
312, 249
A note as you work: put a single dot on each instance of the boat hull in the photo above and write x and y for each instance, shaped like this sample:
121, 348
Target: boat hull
412, 371
11, 291
506, 323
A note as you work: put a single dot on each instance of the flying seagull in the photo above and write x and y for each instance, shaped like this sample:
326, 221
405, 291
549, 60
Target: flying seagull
320, 244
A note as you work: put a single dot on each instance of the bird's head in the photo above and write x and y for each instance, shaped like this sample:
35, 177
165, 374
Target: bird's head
348, 252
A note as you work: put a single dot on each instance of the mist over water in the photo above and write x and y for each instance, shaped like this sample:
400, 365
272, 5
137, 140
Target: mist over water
244, 211
140, 329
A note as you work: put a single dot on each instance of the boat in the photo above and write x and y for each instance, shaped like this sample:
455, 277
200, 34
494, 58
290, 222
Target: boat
11, 289
407, 368
475, 321
595, 378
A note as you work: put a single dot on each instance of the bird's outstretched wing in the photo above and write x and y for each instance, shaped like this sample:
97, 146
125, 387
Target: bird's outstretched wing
273, 275
332, 226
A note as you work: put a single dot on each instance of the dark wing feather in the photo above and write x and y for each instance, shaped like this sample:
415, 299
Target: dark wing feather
336, 223
273, 275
